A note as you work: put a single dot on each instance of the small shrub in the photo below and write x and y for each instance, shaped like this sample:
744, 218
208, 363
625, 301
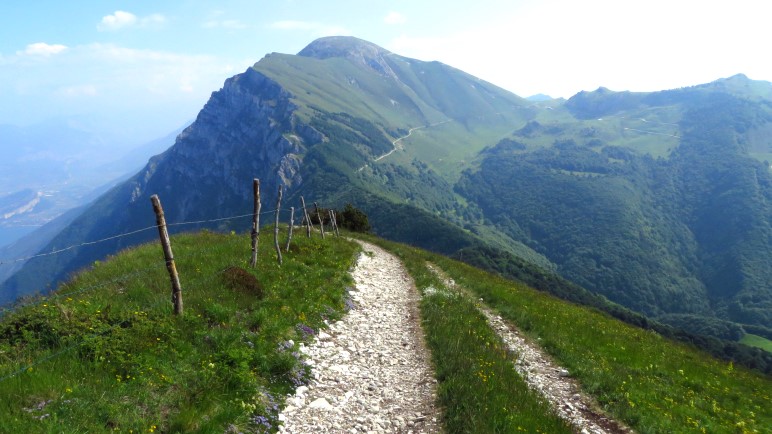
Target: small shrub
353, 219
242, 280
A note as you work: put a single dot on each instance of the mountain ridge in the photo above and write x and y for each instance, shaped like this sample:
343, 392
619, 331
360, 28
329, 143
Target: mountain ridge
310, 122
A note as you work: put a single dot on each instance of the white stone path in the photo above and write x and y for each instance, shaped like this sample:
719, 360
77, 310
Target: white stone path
371, 370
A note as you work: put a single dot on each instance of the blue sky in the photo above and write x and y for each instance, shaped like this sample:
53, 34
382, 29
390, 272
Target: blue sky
149, 66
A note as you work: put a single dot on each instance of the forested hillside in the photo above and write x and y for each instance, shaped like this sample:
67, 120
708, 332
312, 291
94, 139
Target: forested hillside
685, 233
658, 201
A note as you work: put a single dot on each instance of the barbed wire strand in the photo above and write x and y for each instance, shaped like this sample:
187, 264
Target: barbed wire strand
195, 285
211, 221
88, 243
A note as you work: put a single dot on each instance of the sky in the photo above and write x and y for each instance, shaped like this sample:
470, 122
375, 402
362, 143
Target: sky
143, 68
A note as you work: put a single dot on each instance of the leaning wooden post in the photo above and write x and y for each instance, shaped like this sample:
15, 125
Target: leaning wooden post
291, 224
321, 220
332, 222
255, 220
168, 255
309, 225
335, 222
276, 228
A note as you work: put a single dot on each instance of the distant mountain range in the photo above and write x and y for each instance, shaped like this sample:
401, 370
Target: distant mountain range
659, 201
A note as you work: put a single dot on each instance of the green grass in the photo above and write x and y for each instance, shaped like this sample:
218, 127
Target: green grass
757, 341
650, 383
478, 387
106, 354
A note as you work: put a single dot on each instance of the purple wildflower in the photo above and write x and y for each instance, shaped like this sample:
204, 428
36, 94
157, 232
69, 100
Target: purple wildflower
305, 331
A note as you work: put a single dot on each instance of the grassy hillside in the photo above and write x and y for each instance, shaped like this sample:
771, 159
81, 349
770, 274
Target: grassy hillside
757, 341
105, 353
652, 384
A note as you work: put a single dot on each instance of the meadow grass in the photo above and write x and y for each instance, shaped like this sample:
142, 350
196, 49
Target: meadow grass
650, 383
757, 341
105, 353
478, 387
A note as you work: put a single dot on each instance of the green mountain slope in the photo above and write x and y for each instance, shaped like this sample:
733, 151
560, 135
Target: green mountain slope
315, 125
659, 201
685, 233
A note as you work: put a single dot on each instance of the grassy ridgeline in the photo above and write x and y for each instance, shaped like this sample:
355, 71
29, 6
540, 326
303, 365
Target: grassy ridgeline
653, 384
104, 353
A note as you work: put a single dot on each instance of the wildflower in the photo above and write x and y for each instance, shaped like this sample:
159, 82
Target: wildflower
305, 331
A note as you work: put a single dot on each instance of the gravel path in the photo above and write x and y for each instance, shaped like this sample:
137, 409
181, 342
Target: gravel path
371, 370
545, 376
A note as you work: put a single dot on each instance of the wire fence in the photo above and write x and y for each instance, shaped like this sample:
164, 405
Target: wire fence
193, 286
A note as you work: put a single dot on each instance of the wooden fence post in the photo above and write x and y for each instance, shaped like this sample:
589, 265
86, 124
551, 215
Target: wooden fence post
276, 228
332, 222
291, 224
255, 220
163, 233
335, 222
309, 225
321, 220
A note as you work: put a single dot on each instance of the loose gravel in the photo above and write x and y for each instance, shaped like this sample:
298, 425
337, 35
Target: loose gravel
371, 371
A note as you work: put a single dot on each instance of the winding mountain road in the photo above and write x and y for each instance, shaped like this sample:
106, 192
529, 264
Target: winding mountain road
399, 139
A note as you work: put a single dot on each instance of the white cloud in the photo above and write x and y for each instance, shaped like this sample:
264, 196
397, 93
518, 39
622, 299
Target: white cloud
394, 18
315, 28
122, 19
42, 49
152, 20
225, 24
117, 21
156, 90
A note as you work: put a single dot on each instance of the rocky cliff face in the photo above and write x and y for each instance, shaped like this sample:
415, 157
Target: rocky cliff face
247, 130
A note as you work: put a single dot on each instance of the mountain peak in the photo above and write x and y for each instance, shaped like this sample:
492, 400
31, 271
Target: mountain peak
342, 46
356, 50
